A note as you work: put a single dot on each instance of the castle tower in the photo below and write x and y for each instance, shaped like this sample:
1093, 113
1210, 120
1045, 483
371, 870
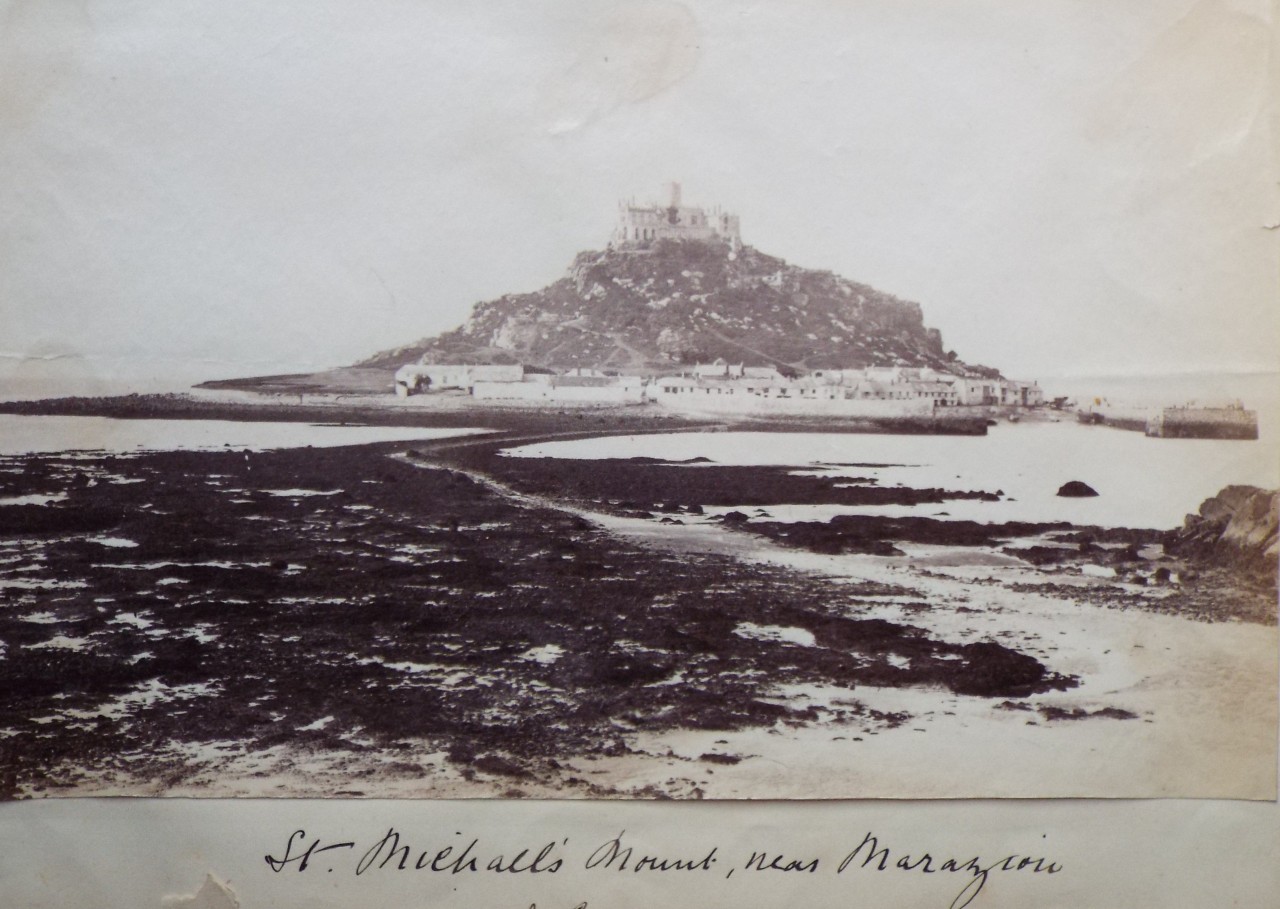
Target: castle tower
673, 205
642, 225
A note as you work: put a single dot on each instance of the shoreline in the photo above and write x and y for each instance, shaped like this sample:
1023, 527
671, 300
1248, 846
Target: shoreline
165, 587
644, 492
850, 655
449, 410
1123, 689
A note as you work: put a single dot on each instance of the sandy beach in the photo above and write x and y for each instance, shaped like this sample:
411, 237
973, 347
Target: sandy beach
439, 619
1165, 706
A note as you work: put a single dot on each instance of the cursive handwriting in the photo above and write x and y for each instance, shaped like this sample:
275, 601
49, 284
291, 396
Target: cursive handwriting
389, 853
396, 852
879, 858
303, 858
613, 854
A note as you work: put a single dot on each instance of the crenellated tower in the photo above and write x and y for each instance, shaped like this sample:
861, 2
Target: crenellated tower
639, 225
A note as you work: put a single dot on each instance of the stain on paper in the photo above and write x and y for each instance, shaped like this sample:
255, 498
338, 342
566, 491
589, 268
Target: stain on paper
627, 56
213, 894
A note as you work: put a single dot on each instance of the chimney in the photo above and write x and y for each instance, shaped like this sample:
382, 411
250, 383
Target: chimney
674, 188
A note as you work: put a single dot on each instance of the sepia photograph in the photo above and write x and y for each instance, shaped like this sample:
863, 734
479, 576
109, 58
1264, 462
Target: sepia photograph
638, 400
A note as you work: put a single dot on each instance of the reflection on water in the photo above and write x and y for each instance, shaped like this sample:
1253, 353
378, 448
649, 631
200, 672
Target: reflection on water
1141, 482
31, 435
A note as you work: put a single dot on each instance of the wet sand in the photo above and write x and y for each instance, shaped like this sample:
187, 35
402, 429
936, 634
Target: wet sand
1166, 705
1176, 662
439, 620
207, 621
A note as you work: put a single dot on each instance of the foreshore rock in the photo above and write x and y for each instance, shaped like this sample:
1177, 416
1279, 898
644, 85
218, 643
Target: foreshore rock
1235, 529
1074, 489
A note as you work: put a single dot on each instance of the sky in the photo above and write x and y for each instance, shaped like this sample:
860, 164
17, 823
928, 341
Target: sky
1066, 187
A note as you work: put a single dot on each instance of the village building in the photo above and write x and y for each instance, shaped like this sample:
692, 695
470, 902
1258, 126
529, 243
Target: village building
641, 225
777, 395
1021, 394
735, 387
417, 378
876, 383
838, 376
977, 391
572, 389
718, 370
518, 383
890, 375
943, 394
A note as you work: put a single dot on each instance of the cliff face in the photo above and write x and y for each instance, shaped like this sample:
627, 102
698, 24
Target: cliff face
1235, 529
685, 302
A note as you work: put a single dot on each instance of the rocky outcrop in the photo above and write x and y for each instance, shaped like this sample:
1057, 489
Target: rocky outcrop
1074, 489
1235, 529
683, 302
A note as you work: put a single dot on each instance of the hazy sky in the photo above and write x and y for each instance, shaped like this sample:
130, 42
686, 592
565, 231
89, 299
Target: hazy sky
1064, 186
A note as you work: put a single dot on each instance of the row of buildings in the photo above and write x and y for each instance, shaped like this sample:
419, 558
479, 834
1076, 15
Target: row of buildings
726, 387
893, 383
720, 386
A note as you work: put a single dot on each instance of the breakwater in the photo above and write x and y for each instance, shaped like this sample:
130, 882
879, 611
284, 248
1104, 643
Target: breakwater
1186, 422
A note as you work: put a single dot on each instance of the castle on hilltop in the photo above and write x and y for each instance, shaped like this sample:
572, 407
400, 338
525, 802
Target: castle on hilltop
640, 225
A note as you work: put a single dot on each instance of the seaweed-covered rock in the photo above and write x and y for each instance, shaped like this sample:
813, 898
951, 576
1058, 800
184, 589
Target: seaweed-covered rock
1236, 529
991, 670
1074, 489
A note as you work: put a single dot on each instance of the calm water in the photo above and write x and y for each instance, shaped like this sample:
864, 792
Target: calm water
29, 435
1141, 482
31, 377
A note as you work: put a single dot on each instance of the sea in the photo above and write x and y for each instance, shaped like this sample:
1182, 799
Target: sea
21, 435
1141, 482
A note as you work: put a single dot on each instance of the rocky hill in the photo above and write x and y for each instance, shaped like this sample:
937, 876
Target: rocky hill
681, 301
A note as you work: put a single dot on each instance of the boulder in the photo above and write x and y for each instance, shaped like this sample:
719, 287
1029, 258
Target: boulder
1076, 490
1237, 530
